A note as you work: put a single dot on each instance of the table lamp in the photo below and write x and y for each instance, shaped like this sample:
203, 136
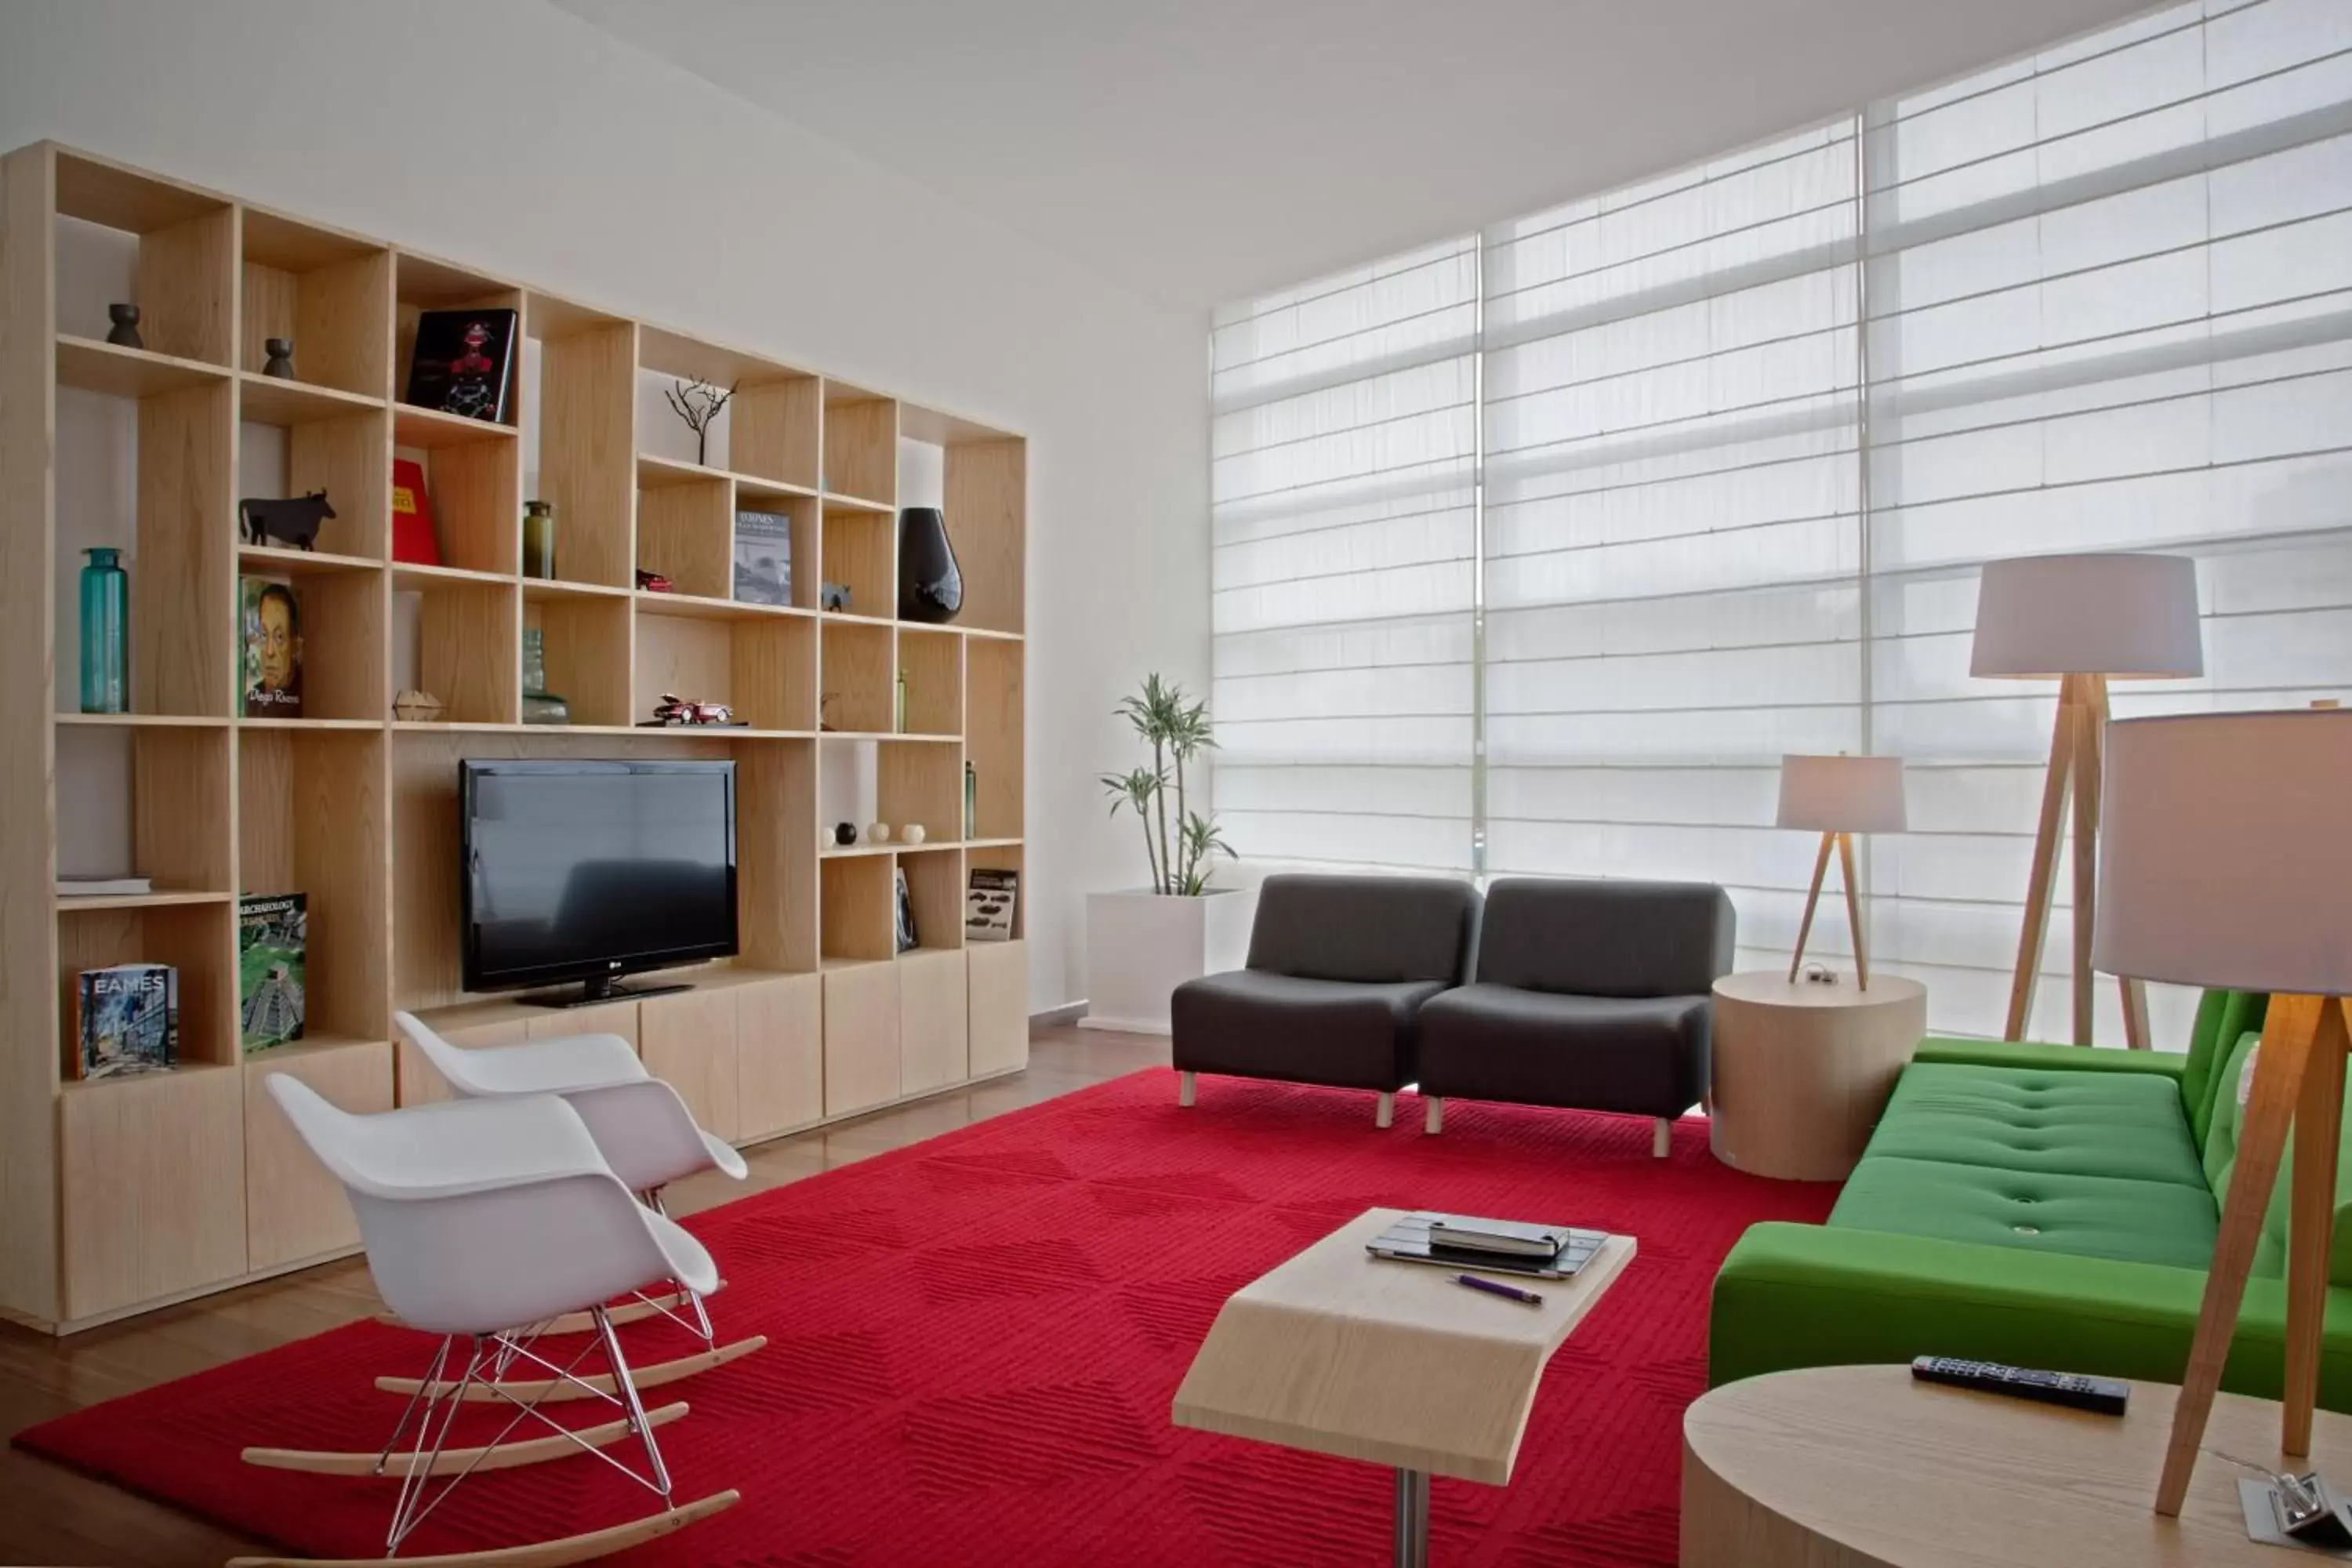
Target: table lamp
1838, 797
2228, 864
2082, 620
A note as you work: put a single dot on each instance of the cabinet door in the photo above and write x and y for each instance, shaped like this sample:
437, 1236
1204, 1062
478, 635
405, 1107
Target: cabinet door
934, 1047
294, 1207
689, 1042
154, 1175
604, 1018
779, 1055
1000, 1006
421, 1084
861, 1036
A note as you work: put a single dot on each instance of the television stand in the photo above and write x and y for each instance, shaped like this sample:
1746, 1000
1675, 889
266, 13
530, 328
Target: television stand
593, 993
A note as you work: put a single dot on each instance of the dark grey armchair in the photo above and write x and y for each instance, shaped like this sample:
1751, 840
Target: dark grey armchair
1590, 995
1338, 970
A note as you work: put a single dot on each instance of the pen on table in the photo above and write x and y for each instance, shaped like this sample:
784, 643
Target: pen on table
1494, 1288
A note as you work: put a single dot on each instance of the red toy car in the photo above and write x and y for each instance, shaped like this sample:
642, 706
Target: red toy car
676, 710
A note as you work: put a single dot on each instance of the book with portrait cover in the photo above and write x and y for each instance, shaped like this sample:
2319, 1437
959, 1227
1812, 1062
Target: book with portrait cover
763, 558
126, 1020
272, 930
463, 361
269, 635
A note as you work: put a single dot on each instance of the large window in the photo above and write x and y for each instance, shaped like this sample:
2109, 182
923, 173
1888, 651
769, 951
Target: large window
1537, 550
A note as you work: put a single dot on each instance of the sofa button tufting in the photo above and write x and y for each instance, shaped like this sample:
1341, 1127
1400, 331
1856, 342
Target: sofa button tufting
2027, 1229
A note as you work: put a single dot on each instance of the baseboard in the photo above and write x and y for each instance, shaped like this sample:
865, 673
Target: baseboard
1123, 1025
1067, 1013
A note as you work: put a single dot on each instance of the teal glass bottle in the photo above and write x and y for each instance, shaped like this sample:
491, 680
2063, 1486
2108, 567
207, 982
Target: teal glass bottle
105, 633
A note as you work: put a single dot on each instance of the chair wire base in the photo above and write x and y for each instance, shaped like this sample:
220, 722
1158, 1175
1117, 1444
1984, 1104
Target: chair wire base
432, 1412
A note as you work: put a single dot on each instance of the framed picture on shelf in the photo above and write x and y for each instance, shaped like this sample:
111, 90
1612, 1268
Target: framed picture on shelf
763, 558
990, 898
463, 363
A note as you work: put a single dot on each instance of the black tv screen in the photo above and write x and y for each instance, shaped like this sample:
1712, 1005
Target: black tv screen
588, 870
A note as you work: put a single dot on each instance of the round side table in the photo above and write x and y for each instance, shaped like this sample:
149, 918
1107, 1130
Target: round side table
1858, 1467
1803, 1069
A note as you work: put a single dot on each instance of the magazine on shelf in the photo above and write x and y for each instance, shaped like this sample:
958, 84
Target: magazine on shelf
126, 1020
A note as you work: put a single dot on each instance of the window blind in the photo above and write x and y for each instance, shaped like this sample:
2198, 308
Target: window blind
1537, 550
1343, 524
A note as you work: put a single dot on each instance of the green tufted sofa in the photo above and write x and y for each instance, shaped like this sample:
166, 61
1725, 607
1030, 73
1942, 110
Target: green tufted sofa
2046, 1206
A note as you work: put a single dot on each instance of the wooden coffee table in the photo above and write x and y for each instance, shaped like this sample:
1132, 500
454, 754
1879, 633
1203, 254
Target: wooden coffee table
1858, 1467
1801, 1071
1393, 1363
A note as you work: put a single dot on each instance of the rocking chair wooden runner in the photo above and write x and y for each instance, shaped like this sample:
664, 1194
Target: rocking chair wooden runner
648, 1137
478, 1216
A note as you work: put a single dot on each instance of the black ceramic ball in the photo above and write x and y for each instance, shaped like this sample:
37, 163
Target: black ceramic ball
845, 833
930, 588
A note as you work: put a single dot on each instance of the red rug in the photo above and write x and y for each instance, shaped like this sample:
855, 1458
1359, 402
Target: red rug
973, 1343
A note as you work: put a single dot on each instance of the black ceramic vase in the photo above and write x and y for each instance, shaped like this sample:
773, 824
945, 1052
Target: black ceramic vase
929, 586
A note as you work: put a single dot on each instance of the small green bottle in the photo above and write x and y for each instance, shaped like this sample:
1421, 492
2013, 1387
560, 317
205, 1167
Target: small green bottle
538, 539
971, 801
902, 702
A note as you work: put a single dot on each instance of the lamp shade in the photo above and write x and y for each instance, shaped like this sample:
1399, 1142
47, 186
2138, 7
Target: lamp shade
1842, 794
2226, 857
2042, 616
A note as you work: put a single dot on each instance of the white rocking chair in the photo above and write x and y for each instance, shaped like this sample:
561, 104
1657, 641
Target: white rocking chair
647, 1135
477, 1217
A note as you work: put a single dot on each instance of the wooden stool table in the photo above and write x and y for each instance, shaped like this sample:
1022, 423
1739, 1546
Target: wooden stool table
1394, 1363
1802, 1070
1859, 1466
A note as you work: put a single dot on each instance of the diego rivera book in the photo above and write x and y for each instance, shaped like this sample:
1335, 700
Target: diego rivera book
763, 558
463, 361
271, 932
126, 1020
269, 626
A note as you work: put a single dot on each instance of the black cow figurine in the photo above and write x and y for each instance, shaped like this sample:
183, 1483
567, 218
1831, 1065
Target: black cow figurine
294, 521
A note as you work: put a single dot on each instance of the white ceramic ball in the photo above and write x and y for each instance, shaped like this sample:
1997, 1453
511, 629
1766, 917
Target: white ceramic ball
878, 833
911, 834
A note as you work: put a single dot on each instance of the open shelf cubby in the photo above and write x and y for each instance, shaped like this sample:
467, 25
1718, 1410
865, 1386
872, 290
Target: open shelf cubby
312, 819
818, 1017
584, 640
199, 939
762, 665
856, 899
462, 633
994, 709
930, 662
328, 292
855, 694
935, 891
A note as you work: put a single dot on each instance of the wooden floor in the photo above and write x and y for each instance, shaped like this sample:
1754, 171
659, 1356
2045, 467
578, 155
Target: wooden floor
51, 1515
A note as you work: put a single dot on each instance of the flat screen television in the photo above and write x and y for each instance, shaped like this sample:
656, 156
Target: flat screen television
586, 871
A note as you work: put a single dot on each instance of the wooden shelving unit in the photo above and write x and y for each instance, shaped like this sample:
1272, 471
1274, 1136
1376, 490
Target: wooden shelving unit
122, 1195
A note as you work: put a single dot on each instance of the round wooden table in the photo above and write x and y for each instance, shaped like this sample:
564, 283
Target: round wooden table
1858, 1467
1802, 1070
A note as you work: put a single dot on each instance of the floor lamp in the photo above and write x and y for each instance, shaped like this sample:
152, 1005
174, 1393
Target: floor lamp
2230, 864
1838, 797
2083, 620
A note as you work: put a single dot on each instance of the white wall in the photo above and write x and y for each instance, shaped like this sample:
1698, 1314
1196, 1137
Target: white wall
515, 137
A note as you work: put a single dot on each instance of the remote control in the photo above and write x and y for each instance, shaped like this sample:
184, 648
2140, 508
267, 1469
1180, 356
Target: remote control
2104, 1395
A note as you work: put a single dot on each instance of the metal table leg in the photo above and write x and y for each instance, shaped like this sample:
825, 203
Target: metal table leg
1411, 1519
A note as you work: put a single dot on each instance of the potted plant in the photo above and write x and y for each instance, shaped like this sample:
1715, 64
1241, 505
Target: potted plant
1142, 942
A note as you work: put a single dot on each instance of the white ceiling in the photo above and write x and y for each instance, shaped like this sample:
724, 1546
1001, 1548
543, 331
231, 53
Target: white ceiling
1197, 150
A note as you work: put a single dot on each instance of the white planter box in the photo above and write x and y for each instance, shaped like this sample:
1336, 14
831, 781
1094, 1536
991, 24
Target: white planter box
1140, 946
